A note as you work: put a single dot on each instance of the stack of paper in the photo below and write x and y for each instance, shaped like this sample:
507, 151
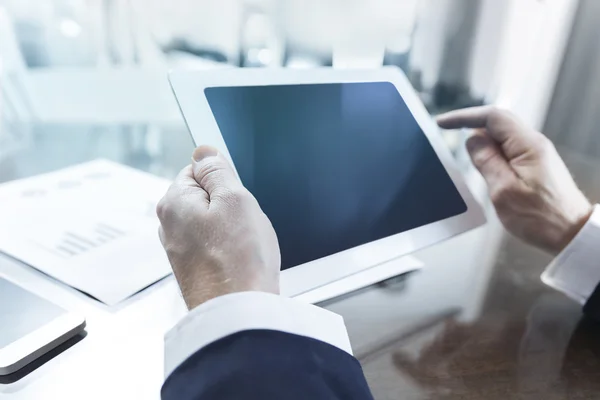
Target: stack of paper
92, 226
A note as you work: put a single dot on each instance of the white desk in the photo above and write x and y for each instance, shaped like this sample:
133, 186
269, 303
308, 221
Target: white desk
122, 355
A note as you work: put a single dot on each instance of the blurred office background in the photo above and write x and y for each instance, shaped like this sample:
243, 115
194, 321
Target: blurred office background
83, 79
98, 67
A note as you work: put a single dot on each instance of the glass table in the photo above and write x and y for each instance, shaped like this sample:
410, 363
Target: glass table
475, 323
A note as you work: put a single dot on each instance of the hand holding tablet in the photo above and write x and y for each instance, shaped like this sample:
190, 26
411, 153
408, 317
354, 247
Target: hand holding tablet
347, 165
214, 232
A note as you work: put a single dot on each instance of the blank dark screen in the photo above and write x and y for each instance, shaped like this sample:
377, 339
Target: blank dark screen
333, 166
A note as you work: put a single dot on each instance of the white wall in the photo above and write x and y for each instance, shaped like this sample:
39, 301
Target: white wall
443, 40
574, 118
532, 52
485, 55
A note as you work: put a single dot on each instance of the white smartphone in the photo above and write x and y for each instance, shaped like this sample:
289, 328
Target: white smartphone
30, 326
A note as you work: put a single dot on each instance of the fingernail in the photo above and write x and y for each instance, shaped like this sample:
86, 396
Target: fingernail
203, 152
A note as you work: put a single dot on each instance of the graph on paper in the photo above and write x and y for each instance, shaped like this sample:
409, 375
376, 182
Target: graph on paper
74, 243
92, 226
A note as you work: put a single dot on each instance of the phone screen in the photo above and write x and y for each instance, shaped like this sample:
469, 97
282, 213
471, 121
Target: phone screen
22, 312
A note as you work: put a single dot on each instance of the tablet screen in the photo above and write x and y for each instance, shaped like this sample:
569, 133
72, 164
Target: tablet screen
22, 312
333, 166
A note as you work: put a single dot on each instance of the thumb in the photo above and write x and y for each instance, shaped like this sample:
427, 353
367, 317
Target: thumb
489, 160
212, 171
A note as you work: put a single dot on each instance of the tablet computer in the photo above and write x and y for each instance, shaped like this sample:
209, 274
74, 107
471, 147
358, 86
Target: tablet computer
30, 326
347, 164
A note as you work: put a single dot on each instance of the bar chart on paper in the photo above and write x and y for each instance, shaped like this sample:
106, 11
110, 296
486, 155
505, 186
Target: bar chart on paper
91, 226
76, 242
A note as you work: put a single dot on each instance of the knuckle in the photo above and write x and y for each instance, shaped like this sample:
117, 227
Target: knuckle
208, 171
236, 199
235, 195
211, 172
163, 209
183, 193
240, 193
498, 115
167, 206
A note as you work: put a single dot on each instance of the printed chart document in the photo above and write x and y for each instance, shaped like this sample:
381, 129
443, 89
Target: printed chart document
92, 226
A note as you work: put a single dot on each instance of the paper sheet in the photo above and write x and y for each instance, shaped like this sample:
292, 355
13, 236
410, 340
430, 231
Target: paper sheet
92, 226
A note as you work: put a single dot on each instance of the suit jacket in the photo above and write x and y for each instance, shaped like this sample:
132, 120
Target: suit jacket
235, 346
267, 364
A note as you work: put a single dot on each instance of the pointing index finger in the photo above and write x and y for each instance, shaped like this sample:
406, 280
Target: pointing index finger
500, 125
475, 117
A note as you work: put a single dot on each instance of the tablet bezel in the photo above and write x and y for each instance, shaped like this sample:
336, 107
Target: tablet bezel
26, 349
189, 89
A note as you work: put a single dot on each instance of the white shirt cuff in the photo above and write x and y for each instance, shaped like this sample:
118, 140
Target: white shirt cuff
576, 270
226, 315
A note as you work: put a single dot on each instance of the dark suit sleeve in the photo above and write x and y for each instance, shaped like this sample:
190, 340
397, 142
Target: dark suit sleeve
266, 364
592, 306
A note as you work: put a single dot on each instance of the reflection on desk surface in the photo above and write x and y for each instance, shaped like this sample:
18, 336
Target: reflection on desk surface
475, 323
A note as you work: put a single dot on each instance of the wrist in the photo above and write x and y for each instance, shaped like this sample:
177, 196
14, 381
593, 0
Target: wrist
574, 225
197, 295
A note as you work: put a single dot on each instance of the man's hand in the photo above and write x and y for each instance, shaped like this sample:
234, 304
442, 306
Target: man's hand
534, 194
217, 238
